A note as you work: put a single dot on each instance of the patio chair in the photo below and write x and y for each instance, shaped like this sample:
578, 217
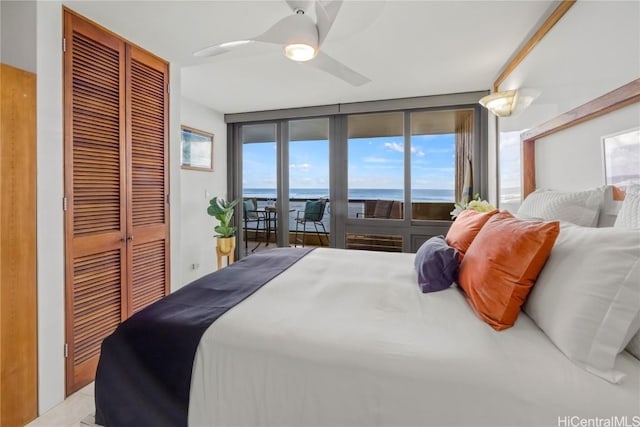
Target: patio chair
313, 213
251, 215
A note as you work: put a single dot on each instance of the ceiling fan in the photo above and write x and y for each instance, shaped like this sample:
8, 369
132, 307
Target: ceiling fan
301, 38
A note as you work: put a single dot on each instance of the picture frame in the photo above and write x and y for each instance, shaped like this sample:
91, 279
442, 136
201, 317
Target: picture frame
196, 149
621, 155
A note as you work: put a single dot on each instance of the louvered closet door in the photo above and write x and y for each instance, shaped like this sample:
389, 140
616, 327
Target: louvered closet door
148, 210
95, 246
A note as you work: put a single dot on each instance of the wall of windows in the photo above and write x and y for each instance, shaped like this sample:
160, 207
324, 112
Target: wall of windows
376, 165
389, 178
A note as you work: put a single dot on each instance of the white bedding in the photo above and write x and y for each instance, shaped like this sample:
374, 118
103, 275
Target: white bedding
346, 338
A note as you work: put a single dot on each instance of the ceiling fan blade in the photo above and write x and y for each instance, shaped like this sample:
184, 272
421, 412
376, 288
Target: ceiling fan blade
338, 69
279, 32
326, 13
221, 48
298, 28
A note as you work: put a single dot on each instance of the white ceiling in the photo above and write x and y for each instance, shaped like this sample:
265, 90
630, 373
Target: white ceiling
407, 48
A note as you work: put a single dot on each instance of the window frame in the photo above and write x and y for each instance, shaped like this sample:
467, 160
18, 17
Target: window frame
414, 232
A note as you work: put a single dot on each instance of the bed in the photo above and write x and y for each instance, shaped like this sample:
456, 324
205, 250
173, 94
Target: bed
344, 337
376, 351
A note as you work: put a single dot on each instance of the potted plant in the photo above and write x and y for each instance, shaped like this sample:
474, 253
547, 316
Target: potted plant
223, 211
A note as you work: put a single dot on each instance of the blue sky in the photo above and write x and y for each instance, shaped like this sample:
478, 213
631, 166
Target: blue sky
373, 163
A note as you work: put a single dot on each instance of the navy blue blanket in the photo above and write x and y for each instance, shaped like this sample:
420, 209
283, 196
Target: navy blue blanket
144, 372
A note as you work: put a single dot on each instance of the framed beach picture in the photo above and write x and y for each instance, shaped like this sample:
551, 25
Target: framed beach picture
196, 149
622, 159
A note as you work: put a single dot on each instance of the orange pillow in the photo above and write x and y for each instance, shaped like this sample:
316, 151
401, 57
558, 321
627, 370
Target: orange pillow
465, 228
502, 265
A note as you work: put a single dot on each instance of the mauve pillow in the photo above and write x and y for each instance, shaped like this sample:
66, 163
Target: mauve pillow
465, 228
436, 264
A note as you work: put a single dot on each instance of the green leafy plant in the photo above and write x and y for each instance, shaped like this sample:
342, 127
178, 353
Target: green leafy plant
223, 212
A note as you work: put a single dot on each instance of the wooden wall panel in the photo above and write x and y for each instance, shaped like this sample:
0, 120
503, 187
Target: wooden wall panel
18, 304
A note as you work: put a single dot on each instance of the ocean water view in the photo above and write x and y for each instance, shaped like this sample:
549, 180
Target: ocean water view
298, 197
418, 195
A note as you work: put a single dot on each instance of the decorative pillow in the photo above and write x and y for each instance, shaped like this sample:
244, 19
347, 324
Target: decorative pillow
629, 215
587, 298
581, 207
436, 264
465, 228
502, 265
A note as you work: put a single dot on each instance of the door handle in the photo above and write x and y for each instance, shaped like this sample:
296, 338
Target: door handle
130, 238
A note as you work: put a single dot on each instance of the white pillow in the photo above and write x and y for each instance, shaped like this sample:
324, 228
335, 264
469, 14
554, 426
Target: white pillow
629, 215
587, 297
578, 207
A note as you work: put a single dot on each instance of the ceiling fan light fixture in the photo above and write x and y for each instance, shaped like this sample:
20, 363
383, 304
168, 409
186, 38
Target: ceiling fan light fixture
300, 52
502, 103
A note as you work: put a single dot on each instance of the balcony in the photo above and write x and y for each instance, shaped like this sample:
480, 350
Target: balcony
357, 209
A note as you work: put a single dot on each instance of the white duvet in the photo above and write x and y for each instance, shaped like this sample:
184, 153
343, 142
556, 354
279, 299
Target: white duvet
346, 338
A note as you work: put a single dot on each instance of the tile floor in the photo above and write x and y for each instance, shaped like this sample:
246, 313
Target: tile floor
76, 411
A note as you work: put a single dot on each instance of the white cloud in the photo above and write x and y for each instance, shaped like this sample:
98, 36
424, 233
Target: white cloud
300, 166
394, 146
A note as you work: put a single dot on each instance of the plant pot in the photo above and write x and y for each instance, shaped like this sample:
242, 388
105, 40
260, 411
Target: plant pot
226, 245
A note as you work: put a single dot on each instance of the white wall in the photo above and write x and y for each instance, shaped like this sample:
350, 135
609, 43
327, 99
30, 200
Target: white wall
573, 159
198, 187
18, 34
175, 188
51, 337
50, 214
592, 50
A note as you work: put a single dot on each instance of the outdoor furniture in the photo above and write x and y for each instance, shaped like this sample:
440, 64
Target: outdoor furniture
385, 209
251, 215
313, 213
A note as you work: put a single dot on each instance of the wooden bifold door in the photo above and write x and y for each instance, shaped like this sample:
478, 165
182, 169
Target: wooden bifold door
116, 188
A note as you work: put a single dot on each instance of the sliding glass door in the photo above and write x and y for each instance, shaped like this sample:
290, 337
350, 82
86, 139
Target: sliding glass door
376, 176
377, 181
405, 172
309, 192
285, 165
259, 185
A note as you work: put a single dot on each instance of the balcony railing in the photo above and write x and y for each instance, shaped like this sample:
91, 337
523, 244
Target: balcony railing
362, 209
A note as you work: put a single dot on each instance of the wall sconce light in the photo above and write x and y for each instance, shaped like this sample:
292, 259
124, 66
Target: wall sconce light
508, 102
500, 103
